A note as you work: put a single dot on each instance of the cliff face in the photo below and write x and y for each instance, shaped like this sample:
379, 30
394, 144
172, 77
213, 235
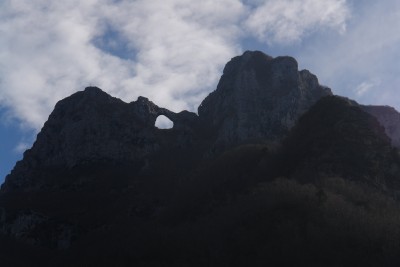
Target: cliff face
259, 97
93, 127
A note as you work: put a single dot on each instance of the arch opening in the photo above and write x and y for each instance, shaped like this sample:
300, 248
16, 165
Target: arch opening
162, 122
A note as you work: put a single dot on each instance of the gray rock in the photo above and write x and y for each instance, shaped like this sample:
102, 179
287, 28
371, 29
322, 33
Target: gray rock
259, 97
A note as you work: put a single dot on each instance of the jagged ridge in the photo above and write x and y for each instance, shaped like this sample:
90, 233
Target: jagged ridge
258, 98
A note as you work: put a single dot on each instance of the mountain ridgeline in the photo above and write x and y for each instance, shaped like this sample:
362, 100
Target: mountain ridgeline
273, 170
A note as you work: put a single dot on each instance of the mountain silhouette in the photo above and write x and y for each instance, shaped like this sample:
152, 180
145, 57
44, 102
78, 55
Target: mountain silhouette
273, 170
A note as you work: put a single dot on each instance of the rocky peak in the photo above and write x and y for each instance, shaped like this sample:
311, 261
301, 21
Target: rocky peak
90, 126
248, 60
259, 97
93, 91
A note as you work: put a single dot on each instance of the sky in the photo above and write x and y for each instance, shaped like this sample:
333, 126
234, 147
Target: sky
174, 51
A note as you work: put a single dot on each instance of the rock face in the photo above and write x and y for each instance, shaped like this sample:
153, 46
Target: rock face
259, 97
389, 118
91, 126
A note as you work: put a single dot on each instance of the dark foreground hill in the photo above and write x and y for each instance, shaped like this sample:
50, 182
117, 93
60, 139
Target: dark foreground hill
273, 171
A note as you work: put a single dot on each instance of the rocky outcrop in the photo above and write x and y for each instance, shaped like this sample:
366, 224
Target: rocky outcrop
91, 126
389, 118
259, 97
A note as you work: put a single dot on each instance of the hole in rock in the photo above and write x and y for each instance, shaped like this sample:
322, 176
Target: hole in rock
163, 122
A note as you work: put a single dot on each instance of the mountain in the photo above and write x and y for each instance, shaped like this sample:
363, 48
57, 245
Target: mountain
259, 98
274, 169
91, 127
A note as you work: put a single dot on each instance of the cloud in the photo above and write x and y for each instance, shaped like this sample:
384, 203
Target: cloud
362, 63
21, 147
365, 87
287, 21
180, 48
49, 50
171, 51
163, 122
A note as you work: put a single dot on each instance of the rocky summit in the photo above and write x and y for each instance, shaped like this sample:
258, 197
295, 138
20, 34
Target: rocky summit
273, 169
259, 98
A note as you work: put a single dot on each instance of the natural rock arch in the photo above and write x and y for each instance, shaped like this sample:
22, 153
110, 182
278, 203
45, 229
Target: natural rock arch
163, 122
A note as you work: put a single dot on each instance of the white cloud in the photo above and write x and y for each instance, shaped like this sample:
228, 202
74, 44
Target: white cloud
171, 51
163, 122
287, 21
181, 47
365, 87
48, 51
367, 53
21, 147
